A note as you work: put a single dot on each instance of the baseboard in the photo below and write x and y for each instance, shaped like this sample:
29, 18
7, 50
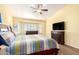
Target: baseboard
72, 47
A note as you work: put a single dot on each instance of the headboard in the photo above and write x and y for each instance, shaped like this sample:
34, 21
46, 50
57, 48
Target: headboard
31, 32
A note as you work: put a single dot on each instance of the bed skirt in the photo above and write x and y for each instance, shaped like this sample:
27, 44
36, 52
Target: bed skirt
53, 51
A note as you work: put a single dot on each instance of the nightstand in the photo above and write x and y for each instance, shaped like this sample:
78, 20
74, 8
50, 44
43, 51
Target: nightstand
2, 50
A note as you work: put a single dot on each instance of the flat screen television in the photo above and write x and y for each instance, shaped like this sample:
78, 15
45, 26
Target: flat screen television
58, 26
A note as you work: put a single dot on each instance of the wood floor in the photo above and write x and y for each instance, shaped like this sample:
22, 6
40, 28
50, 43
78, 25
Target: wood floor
67, 50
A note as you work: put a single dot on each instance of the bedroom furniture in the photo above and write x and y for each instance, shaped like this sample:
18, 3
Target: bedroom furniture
2, 47
51, 51
2, 51
58, 36
58, 32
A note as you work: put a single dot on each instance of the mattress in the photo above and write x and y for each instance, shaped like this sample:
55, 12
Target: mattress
27, 44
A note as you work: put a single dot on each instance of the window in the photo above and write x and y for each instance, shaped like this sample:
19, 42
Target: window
23, 27
31, 27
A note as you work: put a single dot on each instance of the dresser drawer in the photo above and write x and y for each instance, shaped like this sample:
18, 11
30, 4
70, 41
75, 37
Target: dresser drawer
58, 36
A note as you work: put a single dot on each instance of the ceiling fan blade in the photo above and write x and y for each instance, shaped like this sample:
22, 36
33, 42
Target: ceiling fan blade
44, 9
39, 6
33, 7
38, 12
34, 11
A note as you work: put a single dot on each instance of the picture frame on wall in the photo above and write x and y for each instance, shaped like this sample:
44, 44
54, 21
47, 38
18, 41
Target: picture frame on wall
0, 19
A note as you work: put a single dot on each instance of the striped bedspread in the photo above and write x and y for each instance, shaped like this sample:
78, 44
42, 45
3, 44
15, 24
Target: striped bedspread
27, 44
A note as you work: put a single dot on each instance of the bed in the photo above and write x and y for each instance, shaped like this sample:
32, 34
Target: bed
30, 43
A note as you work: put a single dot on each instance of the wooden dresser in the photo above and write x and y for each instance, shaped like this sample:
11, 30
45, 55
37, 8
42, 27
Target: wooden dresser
58, 36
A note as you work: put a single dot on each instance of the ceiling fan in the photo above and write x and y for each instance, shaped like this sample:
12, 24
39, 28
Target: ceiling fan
39, 8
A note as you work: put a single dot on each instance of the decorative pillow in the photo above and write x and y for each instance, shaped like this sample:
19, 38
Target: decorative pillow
2, 41
4, 30
8, 37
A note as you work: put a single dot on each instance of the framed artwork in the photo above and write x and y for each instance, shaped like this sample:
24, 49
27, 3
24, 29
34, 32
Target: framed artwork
0, 19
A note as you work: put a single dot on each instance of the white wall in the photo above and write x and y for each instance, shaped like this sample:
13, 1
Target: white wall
70, 15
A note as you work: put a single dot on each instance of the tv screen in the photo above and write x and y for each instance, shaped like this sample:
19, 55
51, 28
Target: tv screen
58, 26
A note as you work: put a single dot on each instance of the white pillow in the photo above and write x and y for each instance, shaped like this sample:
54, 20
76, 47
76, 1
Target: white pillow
4, 29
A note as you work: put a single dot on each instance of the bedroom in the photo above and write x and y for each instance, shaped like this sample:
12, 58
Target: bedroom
20, 19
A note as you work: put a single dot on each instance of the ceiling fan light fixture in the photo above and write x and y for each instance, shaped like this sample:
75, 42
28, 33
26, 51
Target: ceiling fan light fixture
38, 10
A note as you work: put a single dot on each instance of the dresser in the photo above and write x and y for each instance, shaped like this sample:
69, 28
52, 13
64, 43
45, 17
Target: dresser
58, 36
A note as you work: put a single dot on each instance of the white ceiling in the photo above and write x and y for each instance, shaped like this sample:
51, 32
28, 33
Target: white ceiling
25, 11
